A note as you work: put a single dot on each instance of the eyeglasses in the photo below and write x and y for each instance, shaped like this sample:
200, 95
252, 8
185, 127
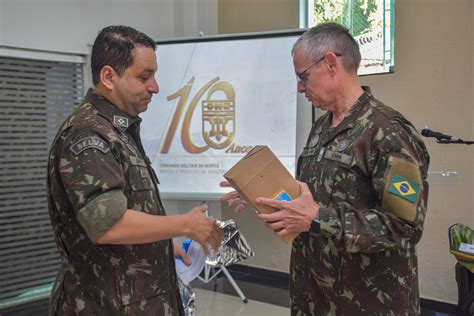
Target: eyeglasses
302, 76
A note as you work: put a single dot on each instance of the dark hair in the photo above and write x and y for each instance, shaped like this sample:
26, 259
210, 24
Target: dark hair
330, 37
113, 46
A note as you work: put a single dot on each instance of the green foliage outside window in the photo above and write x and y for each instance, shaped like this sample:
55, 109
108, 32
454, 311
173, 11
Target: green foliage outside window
369, 21
360, 16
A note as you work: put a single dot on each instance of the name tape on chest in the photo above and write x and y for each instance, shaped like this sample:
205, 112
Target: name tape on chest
338, 157
135, 161
89, 142
132, 149
325, 153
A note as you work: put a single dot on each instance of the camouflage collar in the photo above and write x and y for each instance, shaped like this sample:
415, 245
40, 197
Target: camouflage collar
355, 109
349, 119
118, 118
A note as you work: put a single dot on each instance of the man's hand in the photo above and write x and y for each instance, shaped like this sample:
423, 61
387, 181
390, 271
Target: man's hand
233, 199
292, 217
204, 229
179, 253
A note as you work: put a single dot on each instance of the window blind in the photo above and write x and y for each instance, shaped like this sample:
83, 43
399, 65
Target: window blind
35, 97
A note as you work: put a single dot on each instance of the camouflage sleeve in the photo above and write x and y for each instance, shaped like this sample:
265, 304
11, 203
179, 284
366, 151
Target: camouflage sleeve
94, 181
399, 182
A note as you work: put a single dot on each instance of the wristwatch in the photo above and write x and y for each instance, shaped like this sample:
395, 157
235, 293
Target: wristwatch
315, 226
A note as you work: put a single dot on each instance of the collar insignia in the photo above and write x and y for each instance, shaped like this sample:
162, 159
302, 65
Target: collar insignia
121, 121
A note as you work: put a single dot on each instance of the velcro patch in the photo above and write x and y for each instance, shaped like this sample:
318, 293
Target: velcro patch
404, 188
121, 121
144, 173
89, 142
336, 156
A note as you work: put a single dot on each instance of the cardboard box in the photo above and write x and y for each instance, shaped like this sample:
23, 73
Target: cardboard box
261, 174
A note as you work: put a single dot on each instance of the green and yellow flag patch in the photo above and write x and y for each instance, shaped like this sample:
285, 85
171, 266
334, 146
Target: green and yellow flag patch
404, 188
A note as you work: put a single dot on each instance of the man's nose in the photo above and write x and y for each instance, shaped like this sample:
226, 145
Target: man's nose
301, 86
154, 87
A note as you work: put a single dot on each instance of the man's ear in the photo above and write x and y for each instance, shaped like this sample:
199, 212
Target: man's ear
106, 76
331, 60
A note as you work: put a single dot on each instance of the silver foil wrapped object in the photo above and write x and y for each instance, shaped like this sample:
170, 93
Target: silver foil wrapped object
188, 298
234, 248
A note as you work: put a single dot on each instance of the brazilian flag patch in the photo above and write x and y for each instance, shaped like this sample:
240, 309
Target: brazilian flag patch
404, 188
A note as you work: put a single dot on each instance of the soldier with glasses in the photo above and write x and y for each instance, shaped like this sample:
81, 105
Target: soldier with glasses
363, 191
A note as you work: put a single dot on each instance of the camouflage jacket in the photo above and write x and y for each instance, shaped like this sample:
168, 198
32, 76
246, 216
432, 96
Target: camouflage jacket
368, 175
97, 170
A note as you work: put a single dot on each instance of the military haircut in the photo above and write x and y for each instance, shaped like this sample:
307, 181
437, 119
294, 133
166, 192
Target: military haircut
329, 37
113, 46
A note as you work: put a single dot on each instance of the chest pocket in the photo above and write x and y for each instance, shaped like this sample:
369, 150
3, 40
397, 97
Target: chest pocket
139, 175
307, 163
311, 171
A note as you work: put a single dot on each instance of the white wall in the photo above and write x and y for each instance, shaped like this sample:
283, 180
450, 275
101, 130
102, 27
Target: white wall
432, 85
71, 25
194, 16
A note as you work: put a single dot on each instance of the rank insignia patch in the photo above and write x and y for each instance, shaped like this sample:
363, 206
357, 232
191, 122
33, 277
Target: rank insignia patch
404, 188
120, 121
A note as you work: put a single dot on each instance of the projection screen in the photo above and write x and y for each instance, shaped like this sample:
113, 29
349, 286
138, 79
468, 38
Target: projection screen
217, 100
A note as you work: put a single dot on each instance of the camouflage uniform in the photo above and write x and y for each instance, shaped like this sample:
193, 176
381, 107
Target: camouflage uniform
363, 261
97, 170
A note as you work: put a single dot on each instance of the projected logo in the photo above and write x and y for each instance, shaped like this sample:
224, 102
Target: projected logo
218, 117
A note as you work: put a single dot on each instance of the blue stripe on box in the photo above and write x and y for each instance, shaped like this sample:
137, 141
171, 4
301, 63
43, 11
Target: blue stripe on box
283, 196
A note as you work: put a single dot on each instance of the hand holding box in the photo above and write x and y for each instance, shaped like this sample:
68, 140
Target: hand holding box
261, 174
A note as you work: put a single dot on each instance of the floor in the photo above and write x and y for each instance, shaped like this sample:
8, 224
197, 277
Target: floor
218, 297
209, 303
263, 300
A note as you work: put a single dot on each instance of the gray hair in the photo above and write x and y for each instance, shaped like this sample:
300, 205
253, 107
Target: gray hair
329, 37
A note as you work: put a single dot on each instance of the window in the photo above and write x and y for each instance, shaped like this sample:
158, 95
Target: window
35, 97
371, 22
